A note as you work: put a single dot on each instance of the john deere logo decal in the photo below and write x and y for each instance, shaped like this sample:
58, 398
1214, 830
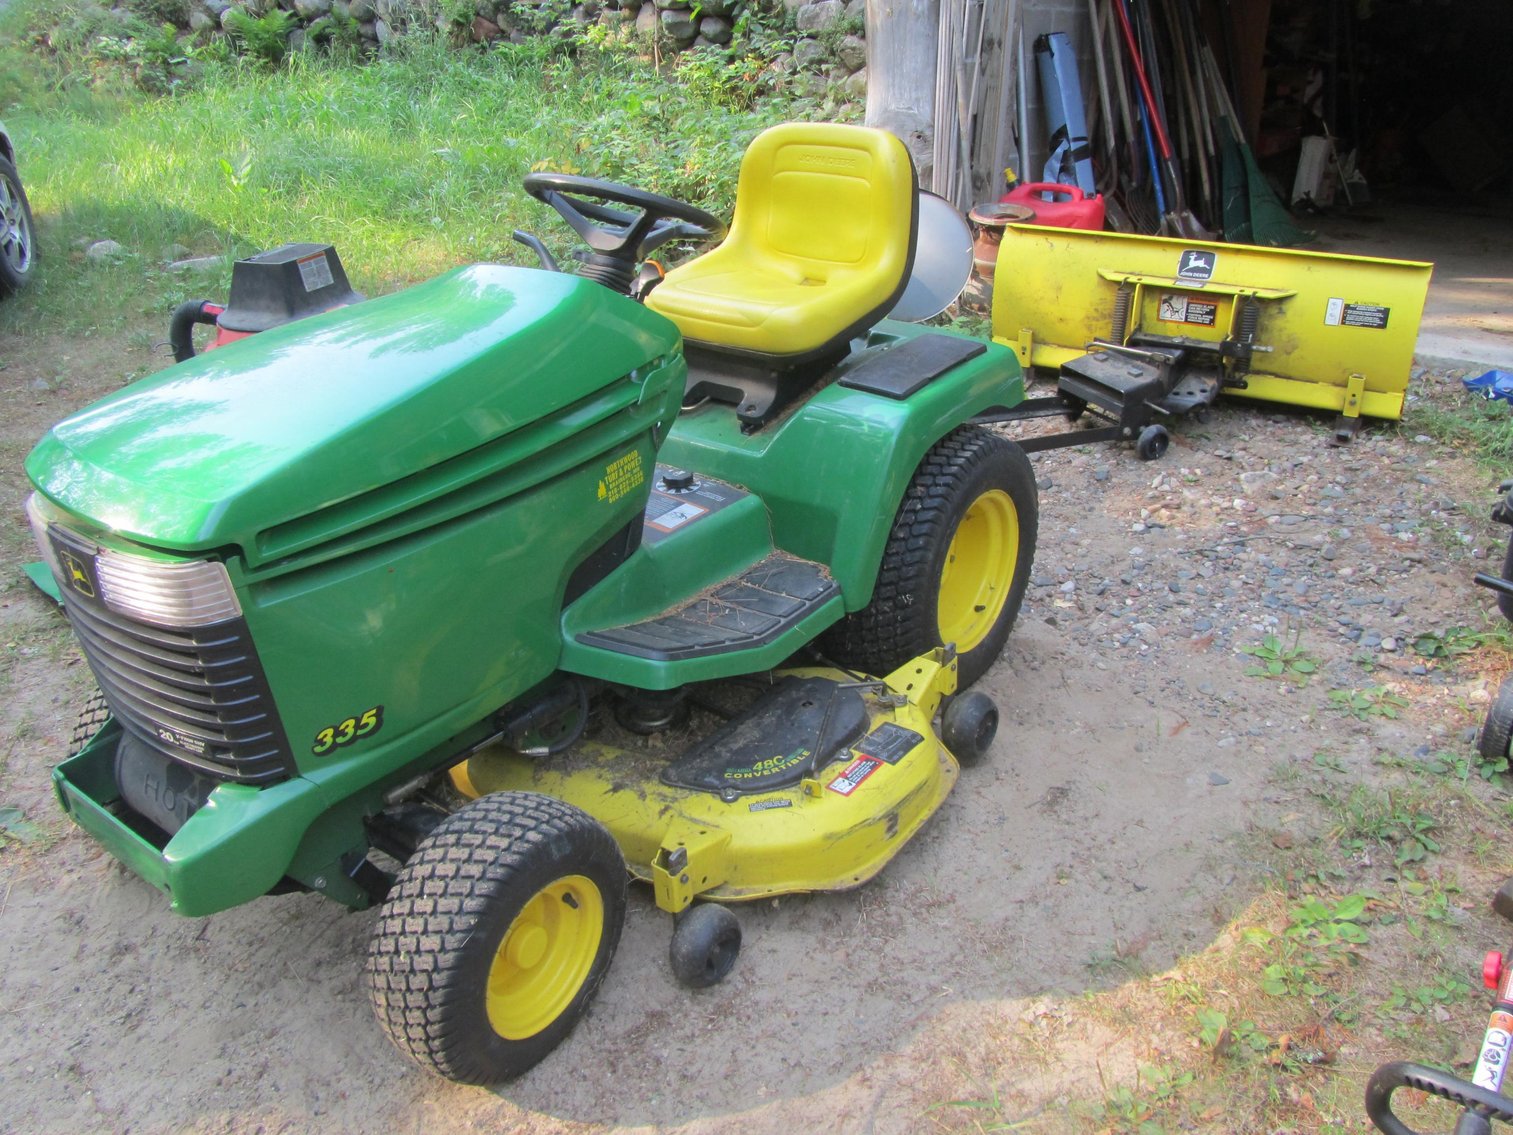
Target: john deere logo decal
1196, 264
78, 577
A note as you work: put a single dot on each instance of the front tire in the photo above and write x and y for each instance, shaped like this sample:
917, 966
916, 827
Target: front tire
18, 240
496, 936
956, 564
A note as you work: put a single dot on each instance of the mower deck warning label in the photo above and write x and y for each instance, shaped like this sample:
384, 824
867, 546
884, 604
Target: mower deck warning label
853, 775
1176, 308
1338, 313
888, 742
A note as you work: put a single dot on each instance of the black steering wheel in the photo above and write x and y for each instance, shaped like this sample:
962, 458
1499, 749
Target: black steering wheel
617, 235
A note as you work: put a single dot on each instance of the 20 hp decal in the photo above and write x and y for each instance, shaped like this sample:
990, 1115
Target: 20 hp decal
332, 737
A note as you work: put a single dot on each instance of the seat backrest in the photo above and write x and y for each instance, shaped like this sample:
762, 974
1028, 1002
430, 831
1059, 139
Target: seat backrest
820, 247
827, 199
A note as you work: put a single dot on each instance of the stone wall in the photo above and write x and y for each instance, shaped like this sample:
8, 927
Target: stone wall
829, 39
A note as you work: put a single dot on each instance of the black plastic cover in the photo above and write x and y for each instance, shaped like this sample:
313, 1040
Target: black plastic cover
795, 728
285, 284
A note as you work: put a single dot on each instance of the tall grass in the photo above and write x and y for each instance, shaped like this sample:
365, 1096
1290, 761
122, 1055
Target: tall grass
409, 165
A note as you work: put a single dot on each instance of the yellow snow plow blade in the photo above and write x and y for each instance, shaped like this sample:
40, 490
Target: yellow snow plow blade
1327, 332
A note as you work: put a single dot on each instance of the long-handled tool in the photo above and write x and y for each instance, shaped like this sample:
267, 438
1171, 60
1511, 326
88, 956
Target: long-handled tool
1178, 220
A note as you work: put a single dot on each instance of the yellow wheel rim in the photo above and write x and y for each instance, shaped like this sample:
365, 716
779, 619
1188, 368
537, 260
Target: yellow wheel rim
979, 570
545, 957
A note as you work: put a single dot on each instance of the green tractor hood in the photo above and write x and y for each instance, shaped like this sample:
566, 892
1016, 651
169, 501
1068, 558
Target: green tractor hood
246, 440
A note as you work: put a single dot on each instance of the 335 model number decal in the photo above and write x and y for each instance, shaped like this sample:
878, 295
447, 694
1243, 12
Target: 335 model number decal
332, 737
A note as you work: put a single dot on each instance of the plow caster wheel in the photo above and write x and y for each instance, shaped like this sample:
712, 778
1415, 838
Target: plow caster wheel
1152, 442
968, 726
705, 942
1497, 730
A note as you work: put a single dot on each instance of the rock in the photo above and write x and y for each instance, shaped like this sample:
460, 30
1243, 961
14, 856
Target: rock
196, 264
855, 86
646, 20
382, 32
312, 9
852, 53
855, 13
201, 20
715, 29
819, 16
809, 54
1217, 779
104, 251
678, 23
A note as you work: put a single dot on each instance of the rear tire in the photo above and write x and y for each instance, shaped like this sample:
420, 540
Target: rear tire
496, 936
956, 564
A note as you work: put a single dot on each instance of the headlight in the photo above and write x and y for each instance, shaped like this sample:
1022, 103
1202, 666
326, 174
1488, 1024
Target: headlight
37, 514
190, 593
173, 593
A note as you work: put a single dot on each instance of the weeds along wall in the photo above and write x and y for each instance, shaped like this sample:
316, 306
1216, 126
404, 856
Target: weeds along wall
818, 45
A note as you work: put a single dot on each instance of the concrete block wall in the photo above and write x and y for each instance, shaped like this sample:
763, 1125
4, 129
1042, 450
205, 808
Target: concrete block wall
1041, 17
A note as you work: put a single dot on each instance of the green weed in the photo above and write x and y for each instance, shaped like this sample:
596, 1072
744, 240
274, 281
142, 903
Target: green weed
1277, 659
1478, 427
1383, 819
1447, 643
1372, 701
15, 827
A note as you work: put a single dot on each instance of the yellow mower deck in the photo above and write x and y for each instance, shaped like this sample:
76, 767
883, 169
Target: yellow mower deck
834, 830
1331, 332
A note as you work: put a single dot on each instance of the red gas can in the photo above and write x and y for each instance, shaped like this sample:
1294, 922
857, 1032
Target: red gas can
1064, 206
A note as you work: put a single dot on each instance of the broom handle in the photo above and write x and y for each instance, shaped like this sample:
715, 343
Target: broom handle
1145, 88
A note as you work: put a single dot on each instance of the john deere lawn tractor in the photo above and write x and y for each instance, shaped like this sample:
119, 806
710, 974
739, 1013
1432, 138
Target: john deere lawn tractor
478, 600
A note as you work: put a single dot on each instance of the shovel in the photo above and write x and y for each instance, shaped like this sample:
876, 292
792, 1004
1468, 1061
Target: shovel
1177, 220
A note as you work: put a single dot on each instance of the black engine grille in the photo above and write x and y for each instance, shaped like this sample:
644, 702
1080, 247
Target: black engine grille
197, 695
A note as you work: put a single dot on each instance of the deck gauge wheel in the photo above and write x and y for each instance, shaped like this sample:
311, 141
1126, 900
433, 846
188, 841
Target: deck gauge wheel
705, 943
968, 726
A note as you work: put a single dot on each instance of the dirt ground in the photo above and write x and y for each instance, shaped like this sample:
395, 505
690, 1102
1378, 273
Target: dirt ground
1120, 822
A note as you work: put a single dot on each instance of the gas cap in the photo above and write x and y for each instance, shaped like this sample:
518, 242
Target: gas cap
678, 480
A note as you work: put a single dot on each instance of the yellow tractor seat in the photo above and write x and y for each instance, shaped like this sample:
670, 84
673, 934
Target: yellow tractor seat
820, 247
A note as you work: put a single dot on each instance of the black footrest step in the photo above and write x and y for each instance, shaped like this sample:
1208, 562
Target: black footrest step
748, 610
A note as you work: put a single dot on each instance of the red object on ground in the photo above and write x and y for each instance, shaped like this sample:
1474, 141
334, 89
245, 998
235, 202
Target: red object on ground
1068, 207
